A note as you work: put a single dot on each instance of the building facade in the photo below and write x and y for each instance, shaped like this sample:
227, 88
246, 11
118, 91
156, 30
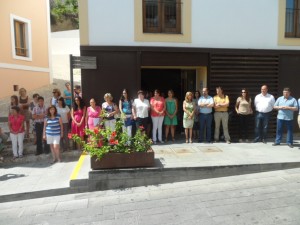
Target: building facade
185, 45
25, 46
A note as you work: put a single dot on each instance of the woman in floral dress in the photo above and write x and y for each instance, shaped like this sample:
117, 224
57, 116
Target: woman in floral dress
188, 116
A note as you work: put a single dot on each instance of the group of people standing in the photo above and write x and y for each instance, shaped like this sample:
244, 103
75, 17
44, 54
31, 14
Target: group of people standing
53, 123
50, 124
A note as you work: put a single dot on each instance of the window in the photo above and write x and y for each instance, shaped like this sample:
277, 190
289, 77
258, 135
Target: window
292, 18
162, 16
21, 38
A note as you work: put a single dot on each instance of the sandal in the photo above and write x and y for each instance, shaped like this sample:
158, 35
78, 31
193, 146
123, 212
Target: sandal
191, 140
186, 141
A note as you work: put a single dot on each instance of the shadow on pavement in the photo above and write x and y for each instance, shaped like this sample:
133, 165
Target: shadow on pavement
10, 176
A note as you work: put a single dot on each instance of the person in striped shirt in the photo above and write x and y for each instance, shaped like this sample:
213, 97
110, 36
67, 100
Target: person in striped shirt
53, 127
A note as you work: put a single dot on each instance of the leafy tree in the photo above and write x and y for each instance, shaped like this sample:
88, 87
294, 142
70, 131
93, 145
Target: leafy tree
64, 10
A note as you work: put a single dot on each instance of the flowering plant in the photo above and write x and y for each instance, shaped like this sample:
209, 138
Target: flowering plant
100, 141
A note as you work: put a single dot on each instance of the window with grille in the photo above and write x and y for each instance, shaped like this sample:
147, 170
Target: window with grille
20, 38
292, 18
162, 16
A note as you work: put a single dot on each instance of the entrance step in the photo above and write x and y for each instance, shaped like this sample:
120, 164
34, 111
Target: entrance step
134, 177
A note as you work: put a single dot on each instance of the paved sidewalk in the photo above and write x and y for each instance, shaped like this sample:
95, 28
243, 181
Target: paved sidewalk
218, 154
271, 198
42, 179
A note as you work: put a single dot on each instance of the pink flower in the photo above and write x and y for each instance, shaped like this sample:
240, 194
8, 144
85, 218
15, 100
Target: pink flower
70, 135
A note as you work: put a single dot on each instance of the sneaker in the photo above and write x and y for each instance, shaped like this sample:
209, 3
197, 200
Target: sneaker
290, 145
161, 142
275, 144
240, 140
264, 141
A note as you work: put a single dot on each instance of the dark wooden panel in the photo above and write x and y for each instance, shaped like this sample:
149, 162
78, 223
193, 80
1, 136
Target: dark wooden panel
174, 59
234, 71
115, 71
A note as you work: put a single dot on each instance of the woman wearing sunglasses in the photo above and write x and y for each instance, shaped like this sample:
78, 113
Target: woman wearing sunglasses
244, 111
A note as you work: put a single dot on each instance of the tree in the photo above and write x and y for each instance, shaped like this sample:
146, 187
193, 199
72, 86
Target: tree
64, 10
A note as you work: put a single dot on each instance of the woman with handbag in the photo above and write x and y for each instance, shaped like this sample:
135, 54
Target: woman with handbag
111, 111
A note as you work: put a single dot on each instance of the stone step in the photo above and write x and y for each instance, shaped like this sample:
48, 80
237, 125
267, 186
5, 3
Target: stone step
108, 179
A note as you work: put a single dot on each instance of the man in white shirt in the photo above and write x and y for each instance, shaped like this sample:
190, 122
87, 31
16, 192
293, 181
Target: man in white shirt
263, 104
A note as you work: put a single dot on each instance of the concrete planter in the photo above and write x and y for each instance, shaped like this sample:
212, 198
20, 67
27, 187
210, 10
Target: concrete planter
123, 160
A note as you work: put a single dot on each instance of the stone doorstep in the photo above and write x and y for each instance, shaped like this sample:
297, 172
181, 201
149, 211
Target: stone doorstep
125, 178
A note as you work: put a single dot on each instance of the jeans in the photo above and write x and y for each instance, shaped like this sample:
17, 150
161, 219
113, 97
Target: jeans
41, 145
205, 122
243, 126
289, 135
157, 126
17, 140
221, 117
261, 125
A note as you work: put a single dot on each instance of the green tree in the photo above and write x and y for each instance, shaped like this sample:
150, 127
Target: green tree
64, 10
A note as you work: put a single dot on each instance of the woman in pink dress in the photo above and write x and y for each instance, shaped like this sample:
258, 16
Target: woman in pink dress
78, 117
92, 118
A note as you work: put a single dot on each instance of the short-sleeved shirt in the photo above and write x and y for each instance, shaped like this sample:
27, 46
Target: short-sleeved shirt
244, 106
205, 100
109, 109
223, 100
142, 107
16, 123
67, 94
39, 111
286, 114
158, 105
53, 126
264, 103
126, 107
63, 112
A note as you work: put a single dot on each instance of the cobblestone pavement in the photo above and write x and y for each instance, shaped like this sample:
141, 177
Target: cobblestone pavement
264, 198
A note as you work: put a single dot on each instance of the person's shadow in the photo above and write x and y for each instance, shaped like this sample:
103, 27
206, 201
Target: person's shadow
10, 176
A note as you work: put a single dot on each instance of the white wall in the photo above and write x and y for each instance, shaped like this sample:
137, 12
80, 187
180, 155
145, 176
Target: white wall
215, 24
111, 22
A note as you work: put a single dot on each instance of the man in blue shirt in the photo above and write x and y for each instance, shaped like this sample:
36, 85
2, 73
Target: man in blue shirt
206, 103
286, 105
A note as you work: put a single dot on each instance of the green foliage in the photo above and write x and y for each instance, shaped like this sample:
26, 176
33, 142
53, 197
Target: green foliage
102, 141
64, 10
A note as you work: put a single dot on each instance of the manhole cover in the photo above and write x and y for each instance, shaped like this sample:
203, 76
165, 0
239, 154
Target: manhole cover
209, 149
183, 150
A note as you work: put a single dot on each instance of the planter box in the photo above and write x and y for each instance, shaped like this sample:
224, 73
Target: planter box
123, 160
